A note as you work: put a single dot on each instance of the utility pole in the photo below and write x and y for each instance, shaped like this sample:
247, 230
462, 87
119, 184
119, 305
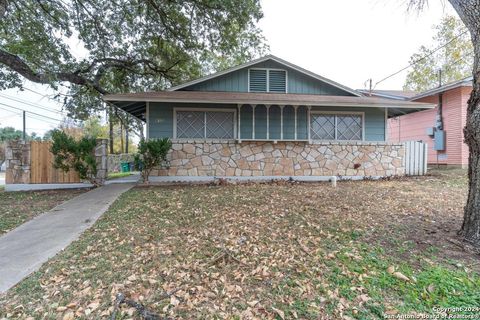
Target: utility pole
126, 135
370, 86
24, 126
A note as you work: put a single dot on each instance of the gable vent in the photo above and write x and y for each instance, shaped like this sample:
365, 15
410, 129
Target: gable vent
277, 81
258, 80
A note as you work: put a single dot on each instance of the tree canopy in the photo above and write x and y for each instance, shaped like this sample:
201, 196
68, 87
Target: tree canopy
455, 59
93, 47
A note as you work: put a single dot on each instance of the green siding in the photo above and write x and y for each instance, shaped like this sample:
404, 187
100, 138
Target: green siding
298, 82
274, 124
160, 116
260, 122
161, 120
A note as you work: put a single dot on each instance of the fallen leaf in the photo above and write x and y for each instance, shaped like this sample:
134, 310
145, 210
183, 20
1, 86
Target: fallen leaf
280, 313
401, 276
391, 269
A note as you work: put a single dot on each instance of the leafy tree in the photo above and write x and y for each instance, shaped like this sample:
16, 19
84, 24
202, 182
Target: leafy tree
10, 133
125, 46
71, 154
469, 13
454, 60
152, 153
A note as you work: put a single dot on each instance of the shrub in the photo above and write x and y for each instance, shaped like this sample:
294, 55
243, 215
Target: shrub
152, 153
78, 155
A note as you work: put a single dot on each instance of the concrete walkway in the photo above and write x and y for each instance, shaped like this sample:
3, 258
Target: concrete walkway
24, 249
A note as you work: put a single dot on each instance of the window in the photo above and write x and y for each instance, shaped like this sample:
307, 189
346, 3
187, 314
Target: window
215, 124
326, 126
267, 80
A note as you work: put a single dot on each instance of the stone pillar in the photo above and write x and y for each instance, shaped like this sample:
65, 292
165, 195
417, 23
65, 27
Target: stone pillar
17, 156
101, 159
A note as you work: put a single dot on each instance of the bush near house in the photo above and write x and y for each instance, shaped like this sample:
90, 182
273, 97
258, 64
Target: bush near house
153, 153
72, 154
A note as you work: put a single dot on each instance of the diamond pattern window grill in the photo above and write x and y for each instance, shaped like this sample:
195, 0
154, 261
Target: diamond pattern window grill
349, 127
336, 127
220, 125
323, 127
190, 124
205, 124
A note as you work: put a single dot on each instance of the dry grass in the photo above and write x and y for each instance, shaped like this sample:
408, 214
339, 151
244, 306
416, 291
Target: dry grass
264, 251
19, 207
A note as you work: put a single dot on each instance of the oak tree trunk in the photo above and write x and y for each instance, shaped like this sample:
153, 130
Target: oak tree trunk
469, 12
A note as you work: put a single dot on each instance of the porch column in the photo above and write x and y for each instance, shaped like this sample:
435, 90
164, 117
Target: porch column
295, 118
308, 123
239, 138
281, 122
267, 106
253, 121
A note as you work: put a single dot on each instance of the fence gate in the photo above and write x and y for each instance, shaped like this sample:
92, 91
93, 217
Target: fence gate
416, 155
42, 169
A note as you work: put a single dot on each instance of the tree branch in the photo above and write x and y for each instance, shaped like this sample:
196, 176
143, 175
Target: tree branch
15, 63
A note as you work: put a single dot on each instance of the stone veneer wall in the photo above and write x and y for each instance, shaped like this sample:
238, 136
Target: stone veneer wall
17, 158
229, 158
114, 161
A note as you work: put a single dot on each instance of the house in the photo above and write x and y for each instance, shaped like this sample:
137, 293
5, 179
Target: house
441, 129
267, 119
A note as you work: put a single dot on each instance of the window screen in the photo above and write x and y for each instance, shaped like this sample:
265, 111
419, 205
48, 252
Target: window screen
336, 127
205, 124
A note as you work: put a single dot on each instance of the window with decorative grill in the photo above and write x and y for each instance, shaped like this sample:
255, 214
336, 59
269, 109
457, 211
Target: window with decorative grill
327, 126
205, 124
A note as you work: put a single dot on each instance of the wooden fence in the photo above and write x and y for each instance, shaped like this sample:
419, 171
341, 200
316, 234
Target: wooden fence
42, 169
415, 158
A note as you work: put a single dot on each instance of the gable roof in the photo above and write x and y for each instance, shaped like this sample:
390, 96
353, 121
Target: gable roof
265, 58
390, 94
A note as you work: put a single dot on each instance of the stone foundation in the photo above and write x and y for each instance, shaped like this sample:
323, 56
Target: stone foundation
233, 159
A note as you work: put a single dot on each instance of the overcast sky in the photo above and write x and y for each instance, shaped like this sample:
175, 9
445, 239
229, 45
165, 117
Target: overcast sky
348, 41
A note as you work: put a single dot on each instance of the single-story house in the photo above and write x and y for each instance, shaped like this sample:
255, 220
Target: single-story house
269, 118
441, 128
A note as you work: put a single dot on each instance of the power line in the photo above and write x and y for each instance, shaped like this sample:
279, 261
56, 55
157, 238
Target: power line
33, 117
422, 58
31, 104
40, 115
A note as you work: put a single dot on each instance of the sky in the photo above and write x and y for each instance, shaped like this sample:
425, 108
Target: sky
348, 41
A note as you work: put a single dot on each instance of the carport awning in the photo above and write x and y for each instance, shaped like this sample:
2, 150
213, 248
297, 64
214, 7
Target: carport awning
135, 103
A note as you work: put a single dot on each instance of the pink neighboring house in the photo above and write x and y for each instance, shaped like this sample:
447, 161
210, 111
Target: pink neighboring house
418, 126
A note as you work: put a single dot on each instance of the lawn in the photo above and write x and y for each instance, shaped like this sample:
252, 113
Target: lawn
19, 207
265, 251
117, 175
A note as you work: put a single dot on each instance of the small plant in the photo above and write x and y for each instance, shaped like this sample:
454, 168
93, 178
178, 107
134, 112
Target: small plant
152, 153
78, 155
